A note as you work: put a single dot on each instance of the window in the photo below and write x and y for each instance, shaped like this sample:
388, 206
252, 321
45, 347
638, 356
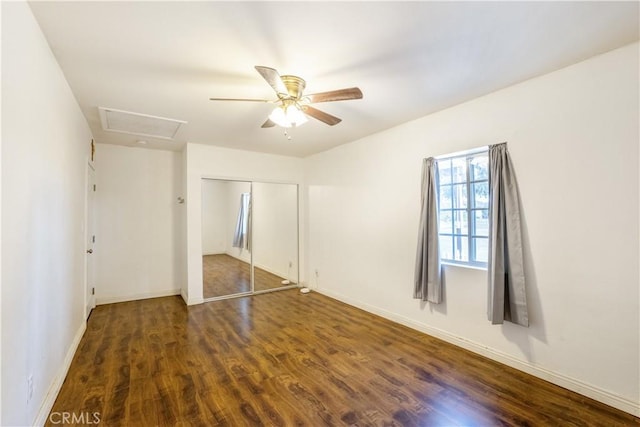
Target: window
463, 203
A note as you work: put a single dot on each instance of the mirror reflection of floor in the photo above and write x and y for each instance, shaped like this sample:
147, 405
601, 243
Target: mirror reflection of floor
265, 280
223, 275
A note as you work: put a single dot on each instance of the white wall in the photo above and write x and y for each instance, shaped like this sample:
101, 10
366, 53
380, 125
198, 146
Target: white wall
214, 217
204, 161
45, 148
137, 223
573, 136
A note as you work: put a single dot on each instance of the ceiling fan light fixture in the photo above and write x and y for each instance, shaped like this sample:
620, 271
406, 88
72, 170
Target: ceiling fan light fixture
295, 116
278, 116
288, 116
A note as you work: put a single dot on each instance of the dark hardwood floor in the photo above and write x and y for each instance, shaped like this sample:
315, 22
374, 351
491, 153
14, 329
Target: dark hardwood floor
289, 359
224, 275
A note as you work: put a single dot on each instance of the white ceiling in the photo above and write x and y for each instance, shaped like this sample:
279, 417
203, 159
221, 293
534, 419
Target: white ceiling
409, 59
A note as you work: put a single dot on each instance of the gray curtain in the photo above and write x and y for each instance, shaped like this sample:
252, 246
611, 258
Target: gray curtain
428, 276
507, 299
242, 235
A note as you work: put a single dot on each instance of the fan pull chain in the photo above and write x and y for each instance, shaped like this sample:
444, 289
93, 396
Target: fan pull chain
287, 135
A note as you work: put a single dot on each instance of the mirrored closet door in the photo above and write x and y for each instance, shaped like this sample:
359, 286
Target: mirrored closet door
275, 235
226, 252
249, 237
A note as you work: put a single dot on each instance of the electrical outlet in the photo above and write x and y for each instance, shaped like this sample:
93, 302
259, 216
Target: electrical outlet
290, 264
29, 388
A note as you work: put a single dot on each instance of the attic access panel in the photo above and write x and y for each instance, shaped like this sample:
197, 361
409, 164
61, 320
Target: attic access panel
139, 124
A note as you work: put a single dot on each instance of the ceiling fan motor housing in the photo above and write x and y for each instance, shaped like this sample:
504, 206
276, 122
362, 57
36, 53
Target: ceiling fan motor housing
295, 86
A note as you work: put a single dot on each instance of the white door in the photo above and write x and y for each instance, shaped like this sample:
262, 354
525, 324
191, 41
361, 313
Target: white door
91, 240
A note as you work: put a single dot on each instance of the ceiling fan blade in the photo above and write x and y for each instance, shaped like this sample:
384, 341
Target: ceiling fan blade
336, 95
240, 99
268, 124
273, 78
321, 115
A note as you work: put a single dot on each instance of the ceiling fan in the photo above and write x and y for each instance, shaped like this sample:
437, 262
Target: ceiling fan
292, 105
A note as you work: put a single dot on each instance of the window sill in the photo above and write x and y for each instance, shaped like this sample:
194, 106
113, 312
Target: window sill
471, 267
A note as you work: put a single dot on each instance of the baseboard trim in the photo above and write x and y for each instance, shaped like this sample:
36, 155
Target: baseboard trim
195, 301
56, 384
191, 301
134, 297
556, 378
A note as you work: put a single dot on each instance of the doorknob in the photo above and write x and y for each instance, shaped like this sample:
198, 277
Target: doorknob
89, 251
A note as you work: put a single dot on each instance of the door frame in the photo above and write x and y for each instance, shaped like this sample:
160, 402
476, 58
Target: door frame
89, 240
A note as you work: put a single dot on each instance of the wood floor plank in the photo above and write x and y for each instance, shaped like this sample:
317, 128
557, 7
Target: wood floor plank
288, 359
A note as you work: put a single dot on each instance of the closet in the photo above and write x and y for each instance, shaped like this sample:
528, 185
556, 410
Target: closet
249, 237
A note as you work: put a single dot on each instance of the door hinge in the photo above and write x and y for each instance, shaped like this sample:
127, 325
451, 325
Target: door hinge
93, 239
93, 291
94, 187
